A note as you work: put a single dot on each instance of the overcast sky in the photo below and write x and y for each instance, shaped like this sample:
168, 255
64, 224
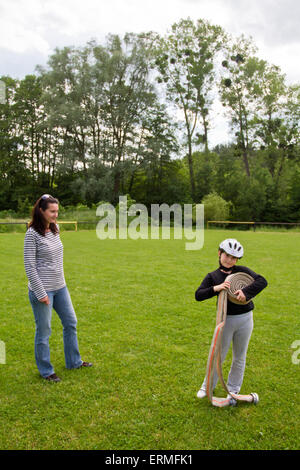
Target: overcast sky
31, 29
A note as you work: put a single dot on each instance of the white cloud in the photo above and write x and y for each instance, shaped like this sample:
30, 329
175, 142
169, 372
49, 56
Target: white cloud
275, 22
16, 34
28, 26
31, 29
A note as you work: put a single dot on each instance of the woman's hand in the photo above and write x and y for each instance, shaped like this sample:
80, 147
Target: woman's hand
45, 300
224, 285
240, 295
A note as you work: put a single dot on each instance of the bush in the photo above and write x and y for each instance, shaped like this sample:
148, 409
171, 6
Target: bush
8, 214
215, 207
24, 207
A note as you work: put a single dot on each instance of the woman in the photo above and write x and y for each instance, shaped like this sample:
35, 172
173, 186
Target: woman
239, 322
43, 259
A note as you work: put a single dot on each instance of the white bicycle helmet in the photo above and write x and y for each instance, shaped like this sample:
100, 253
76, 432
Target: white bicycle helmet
232, 247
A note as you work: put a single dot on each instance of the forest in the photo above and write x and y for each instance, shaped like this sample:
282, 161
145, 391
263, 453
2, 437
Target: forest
135, 116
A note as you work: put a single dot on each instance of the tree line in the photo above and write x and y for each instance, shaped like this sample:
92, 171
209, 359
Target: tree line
134, 116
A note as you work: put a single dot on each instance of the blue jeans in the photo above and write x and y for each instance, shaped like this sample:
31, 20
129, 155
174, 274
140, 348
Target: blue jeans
60, 300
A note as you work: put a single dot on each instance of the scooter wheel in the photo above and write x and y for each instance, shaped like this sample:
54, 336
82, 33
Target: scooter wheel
232, 402
255, 398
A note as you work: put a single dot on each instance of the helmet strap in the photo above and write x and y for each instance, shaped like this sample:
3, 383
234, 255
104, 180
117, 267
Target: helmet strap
223, 267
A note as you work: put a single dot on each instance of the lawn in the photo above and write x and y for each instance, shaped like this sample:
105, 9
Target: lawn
149, 339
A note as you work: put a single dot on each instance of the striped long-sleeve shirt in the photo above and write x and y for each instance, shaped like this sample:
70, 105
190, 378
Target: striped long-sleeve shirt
43, 260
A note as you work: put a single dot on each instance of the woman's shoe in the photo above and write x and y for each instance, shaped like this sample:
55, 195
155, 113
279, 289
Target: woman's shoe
53, 378
86, 364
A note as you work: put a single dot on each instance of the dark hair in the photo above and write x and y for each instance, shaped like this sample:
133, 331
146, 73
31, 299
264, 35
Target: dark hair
37, 219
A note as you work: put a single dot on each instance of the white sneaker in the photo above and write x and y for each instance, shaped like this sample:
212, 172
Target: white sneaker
201, 393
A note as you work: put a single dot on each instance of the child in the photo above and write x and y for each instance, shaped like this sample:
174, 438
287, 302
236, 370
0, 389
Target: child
239, 321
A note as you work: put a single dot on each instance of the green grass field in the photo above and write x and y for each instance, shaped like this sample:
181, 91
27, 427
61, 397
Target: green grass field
149, 339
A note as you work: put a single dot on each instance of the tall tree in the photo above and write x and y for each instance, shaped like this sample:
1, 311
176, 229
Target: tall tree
36, 142
239, 91
13, 173
256, 94
157, 145
129, 97
185, 62
67, 83
97, 98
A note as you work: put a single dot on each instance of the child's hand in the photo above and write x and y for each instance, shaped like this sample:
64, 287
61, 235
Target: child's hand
224, 285
240, 295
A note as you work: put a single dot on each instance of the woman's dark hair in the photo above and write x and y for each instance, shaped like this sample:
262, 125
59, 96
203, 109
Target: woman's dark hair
37, 219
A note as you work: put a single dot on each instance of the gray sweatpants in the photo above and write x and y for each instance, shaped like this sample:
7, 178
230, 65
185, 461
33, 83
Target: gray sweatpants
238, 329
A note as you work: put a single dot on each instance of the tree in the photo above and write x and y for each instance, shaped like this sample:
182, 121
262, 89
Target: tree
13, 173
68, 97
271, 130
36, 140
129, 97
97, 99
239, 91
185, 62
215, 207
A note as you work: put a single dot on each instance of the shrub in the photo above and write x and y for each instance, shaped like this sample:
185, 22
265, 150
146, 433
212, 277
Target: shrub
215, 207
